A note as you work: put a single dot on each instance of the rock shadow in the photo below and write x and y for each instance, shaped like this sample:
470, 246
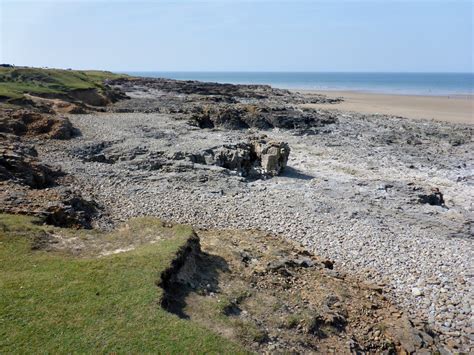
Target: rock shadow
293, 173
180, 282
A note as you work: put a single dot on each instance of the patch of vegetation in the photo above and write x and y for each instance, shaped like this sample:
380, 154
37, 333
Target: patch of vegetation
17, 81
292, 321
56, 303
248, 332
229, 305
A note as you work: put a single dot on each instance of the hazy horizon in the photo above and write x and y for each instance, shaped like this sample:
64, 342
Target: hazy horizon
240, 36
289, 71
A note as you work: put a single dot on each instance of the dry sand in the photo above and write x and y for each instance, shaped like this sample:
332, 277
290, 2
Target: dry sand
457, 108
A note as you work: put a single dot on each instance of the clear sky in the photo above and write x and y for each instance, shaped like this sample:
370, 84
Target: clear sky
225, 35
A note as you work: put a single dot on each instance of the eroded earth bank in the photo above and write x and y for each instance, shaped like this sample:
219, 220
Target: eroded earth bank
384, 200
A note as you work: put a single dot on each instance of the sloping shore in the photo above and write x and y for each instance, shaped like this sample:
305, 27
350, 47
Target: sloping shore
454, 108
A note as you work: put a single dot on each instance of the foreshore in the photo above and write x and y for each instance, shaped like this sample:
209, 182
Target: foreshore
452, 108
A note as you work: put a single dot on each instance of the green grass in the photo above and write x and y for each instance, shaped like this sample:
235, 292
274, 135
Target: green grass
55, 303
15, 82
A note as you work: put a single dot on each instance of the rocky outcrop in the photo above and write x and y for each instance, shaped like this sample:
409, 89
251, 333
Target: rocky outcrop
228, 106
58, 206
95, 97
51, 105
89, 97
216, 92
35, 124
18, 163
71, 210
74, 102
257, 158
30, 187
259, 116
272, 155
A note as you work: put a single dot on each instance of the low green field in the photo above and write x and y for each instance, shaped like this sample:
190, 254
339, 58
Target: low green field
52, 302
17, 81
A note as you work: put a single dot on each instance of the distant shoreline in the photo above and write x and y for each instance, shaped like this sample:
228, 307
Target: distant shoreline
410, 95
413, 84
449, 108
331, 92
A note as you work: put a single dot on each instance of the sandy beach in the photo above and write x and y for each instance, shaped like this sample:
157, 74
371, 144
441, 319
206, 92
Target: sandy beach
456, 108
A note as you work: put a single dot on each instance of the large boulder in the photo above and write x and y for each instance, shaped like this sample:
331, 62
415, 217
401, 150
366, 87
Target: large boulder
259, 157
237, 157
272, 155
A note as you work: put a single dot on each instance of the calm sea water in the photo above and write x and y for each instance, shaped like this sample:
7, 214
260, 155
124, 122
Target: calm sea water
395, 83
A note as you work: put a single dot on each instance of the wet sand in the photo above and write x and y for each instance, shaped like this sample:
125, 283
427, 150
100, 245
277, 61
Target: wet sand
456, 108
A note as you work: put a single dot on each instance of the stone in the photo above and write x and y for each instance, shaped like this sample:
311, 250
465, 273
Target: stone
273, 156
404, 334
304, 262
259, 157
435, 198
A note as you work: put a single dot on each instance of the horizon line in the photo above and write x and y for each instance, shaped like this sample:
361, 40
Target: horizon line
292, 71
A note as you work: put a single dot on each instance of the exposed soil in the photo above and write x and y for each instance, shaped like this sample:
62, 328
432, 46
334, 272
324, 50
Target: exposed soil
34, 124
274, 296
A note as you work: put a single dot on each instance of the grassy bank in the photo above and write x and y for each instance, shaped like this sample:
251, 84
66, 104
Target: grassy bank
17, 81
53, 302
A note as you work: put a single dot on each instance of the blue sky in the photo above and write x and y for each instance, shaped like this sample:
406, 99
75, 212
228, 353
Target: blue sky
398, 36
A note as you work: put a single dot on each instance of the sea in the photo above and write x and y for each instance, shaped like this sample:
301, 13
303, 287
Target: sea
390, 83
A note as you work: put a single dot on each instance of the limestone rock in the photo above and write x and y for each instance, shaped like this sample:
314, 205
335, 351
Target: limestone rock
257, 158
18, 162
416, 292
261, 116
57, 206
71, 211
272, 155
228, 106
405, 336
